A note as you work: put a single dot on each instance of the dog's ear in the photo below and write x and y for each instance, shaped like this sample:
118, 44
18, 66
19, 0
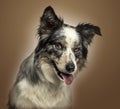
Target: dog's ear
87, 32
49, 21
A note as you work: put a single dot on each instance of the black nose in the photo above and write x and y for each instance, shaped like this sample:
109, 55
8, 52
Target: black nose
70, 67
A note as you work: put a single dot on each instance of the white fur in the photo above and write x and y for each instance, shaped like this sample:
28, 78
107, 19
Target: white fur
40, 95
43, 94
71, 35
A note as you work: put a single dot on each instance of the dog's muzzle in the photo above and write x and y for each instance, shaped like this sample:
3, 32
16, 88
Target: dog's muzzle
70, 67
66, 77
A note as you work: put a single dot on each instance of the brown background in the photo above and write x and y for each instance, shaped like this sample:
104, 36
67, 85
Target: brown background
98, 85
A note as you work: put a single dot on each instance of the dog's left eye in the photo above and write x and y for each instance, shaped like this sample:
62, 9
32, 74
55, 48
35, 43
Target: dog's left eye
58, 46
76, 49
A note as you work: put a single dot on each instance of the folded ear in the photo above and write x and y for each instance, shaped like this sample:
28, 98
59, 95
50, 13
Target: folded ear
88, 31
49, 21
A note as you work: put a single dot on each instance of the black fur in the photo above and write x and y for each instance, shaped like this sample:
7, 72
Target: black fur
87, 31
49, 22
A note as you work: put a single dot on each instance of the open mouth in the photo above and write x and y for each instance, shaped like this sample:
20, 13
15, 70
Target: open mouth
68, 78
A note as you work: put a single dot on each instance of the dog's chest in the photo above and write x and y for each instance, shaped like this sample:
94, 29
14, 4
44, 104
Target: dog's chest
44, 96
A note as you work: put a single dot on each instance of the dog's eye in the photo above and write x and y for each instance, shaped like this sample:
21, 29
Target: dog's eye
76, 49
58, 46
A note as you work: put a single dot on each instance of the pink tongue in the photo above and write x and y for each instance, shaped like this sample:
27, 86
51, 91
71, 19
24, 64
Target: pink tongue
68, 79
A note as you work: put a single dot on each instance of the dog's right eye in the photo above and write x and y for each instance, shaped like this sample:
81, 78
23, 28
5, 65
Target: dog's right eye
58, 46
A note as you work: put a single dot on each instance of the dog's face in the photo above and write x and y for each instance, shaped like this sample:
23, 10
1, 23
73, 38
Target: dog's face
63, 45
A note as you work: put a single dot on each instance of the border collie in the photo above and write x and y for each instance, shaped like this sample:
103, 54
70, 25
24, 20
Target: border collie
45, 77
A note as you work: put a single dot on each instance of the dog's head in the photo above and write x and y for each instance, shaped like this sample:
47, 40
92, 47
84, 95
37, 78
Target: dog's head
63, 45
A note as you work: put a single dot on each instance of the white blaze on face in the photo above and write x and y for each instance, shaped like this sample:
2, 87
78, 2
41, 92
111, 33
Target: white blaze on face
71, 39
71, 36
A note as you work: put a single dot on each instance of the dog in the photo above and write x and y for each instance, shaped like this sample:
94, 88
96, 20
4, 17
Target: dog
45, 77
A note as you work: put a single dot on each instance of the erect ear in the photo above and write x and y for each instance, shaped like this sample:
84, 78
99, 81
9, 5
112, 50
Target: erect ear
49, 21
88, 31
